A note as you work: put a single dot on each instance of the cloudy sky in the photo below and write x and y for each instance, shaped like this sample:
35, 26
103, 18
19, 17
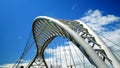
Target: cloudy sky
16, 17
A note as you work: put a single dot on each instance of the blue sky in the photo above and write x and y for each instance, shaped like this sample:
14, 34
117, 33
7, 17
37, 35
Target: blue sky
16, 17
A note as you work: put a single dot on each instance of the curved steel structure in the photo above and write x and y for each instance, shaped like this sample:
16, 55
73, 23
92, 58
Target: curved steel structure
45, 29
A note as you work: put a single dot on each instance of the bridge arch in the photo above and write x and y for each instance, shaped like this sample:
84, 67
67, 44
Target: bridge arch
46, 28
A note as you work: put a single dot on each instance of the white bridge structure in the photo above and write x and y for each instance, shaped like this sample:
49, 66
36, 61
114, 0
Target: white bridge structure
46, 29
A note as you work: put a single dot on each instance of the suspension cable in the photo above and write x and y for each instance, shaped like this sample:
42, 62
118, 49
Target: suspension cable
50, 59
65, 55
110, 41
113, 43
60, 48
61, 56
25, 50
77, 53
72, 57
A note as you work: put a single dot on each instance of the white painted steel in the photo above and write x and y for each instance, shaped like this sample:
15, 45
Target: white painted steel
96, 59
109, 54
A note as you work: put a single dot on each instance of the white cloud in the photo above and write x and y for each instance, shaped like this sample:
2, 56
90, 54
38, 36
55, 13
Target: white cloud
96, 20
10, 65
6, 66
62, 55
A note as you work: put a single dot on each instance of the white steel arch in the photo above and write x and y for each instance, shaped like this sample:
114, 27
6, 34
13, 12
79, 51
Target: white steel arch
110, 55
46, 28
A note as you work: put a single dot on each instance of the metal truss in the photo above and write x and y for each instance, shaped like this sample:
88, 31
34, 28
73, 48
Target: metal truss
45, 29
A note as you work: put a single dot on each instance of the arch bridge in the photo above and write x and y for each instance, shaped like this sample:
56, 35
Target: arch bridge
45, 29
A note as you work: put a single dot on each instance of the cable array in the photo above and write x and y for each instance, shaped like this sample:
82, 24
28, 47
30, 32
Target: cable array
113, 50
28, 46
64, 54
